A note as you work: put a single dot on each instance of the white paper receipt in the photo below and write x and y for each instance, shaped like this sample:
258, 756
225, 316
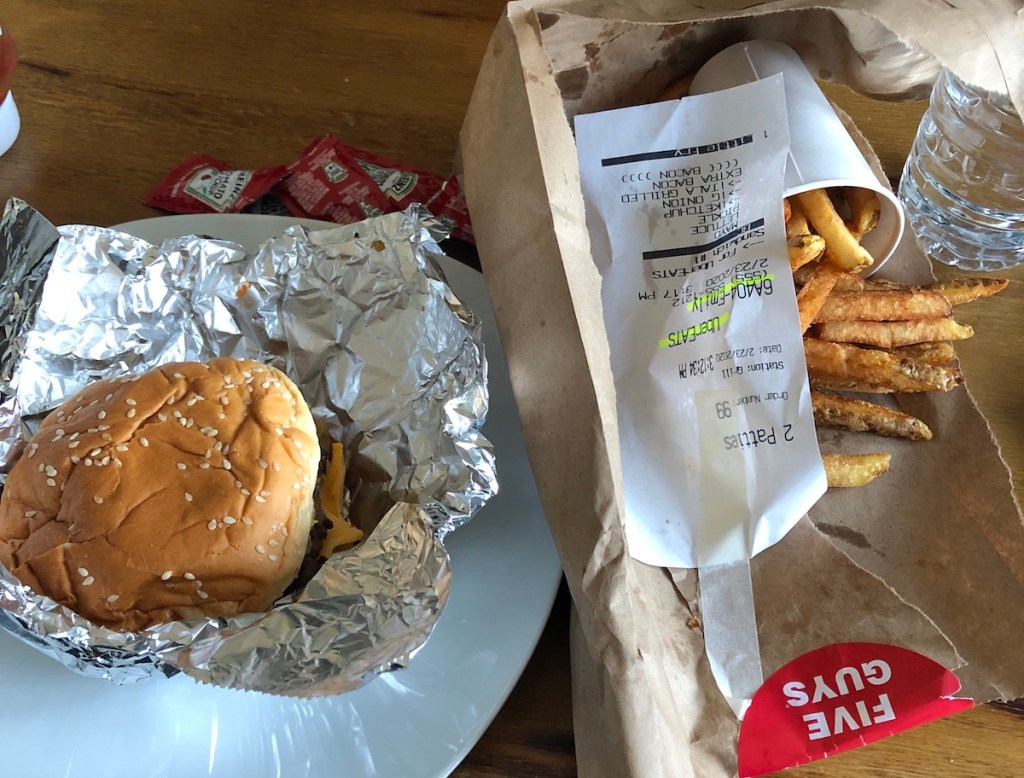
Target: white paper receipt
684, 210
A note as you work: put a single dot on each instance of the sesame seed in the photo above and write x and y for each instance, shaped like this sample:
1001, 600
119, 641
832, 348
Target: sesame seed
75, 460
218, 446
121, 447
95, 452
190, 576
229, 519
226, 449
227, 465
199, 584
144, 442
42, 467
30, 514
260, 499
276, 467
262, 463
272, 557
72, 444
83, 572
168, 586
166, 574
182, 465
106, 437
224, 400
118, 462
260, 549
188, 497
110, 397
191, 401
211, 524
74, 435
298, 444
221, 416
51, 470
103, 427
264, 492
183, 421
171, 400
88, 581
131, 413
105, 461
31, 452
189, 423
97, 499
265, 385
88, 462
204, 465
162, 416
50, 482
273, 543
202, 595
247, 520
178, 375
113, 598
130, 401
245, 492
101, 415
296, 486
278, 431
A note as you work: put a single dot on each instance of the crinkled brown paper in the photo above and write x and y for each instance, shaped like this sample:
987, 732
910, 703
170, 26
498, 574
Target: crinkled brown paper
920, 567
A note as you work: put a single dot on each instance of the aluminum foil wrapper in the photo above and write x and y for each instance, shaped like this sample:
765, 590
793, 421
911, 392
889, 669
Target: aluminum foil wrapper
390, 362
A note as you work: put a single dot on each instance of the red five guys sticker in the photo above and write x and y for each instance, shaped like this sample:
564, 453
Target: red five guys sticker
839, 697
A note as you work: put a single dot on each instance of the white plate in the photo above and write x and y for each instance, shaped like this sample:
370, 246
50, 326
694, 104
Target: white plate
420, 721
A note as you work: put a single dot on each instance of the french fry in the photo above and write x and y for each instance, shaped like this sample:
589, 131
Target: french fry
933, 353
804, 249
843, 366
813, 293
964, 290
787, 210
890, 334
796, 224
850, 470
848, 413
677, 89
843, 247
884, 306
865, 209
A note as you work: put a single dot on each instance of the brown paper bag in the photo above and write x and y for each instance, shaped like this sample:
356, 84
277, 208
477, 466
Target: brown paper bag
922, 568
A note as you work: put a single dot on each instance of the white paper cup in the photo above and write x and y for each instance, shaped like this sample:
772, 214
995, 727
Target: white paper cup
10, 122
821, 153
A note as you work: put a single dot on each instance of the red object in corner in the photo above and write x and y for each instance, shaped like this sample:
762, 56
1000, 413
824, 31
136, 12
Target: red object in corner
840, 697
8, 58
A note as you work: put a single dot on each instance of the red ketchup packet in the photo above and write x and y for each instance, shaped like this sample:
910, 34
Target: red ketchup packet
202, 184
327, 183
402, 184
449, 205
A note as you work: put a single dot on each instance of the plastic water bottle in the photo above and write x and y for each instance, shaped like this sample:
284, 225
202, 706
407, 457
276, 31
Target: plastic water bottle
963, 184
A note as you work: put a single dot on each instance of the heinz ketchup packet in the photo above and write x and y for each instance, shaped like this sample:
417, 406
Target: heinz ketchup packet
202, 184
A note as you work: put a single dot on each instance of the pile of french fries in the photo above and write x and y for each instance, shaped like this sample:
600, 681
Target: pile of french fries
867, 336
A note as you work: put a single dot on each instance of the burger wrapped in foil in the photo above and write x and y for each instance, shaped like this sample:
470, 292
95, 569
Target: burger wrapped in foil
388, 359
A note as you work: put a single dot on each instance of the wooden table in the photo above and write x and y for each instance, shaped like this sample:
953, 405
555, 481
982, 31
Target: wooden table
114, 94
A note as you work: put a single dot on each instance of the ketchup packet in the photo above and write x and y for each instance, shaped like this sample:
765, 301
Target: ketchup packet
449, 205
202, 184
403, 185
327, 183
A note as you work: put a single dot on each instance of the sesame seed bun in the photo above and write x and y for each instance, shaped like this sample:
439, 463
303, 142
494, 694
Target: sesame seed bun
185, 492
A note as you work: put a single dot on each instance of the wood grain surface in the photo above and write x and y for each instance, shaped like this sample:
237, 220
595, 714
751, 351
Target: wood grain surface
113, 94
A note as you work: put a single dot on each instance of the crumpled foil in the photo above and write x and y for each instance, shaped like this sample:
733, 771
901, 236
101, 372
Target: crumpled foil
390, 362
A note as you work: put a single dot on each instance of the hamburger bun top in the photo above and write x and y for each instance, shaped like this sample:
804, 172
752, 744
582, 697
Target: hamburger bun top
181, 493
